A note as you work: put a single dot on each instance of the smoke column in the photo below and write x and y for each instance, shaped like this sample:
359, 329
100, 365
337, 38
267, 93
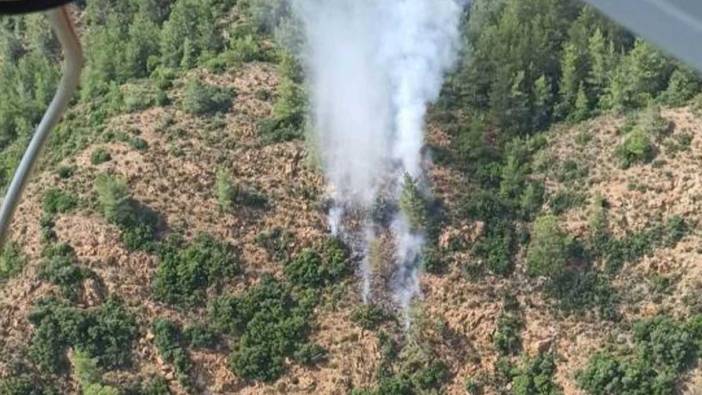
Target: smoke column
373, 67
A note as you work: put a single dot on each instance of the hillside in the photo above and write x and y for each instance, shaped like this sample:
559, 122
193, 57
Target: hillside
175, 238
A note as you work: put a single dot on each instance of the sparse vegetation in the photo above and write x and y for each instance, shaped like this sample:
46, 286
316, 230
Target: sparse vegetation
413, 204
99, 156
138, 224
226, 191
57, 201
12, 261
370, 316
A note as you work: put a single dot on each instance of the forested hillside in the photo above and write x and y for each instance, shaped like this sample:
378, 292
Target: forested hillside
174, 238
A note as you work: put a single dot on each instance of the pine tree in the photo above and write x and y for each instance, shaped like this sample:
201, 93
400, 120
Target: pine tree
683, 85
650, 72
412, 204
581, 111
602, 58
142, 44
618, 96
543, 101
574, 69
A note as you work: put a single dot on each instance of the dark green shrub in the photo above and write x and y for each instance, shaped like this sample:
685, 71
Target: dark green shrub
65, 172
225, 189
100, 155
432, 376
59, 268
288, 118
200, 336
138, 224
565, 200
413, 204
579, 290
168, 341
56, 201
138, 144
370, 316
114, 199
395, 385
432, 261
154, 386
473, 386
663, 350
637, 147
536, 377
250, 197
105, 333
187, 270
277, 242
311, 269
664, 342
138, 98
271, 326
508, 335
24, 384
203, 99
636, 245
310, 354
549, 248
306, 270
497, 247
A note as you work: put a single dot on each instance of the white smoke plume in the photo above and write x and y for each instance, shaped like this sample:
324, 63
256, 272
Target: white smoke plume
373, 68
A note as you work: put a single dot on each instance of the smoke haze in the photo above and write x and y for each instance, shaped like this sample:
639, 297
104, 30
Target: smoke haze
373, 67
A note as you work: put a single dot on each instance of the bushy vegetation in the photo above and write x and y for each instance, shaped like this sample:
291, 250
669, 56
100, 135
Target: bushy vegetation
508, 334
186, 270
12, 261
203, 99
536, 377
276, 242
24, 383
105, 333
312, 269
636, 245
413, 204
288, 118
89, 375
100, 155
225, 189
270, 325
56, 201
370, 316
169, 342
138, 224
549, 248
59, 267
663, 350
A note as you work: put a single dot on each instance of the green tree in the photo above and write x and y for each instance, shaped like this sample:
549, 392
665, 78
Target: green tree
602, 59
575, 69
582, 110
413, 204
549, 248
